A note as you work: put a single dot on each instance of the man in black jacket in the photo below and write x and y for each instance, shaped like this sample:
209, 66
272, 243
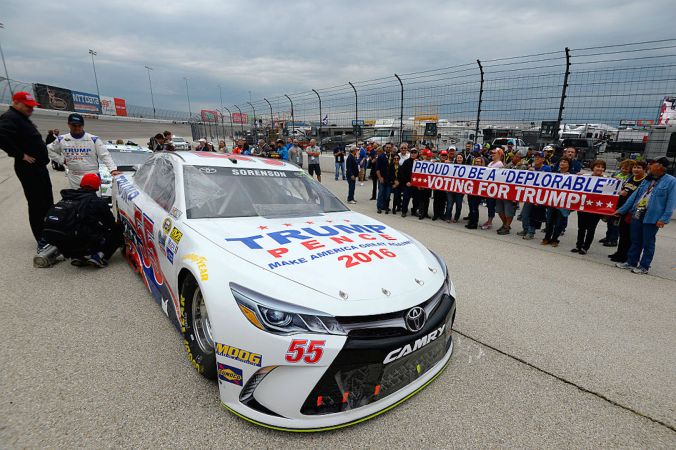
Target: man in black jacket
352, 174
21, 140
404, 177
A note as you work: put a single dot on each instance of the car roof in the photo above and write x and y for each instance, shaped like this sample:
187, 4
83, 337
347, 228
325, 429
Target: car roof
231, 160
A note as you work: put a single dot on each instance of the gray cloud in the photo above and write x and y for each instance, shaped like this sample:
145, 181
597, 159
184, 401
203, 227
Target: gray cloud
274, 47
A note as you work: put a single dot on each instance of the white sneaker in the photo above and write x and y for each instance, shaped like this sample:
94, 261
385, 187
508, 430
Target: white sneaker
352, 202
639, 270
624, 265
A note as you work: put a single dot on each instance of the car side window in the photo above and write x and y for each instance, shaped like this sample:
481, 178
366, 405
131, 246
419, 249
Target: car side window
143, 174
161, 187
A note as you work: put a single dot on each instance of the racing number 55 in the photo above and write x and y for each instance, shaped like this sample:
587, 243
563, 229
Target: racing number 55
309, 351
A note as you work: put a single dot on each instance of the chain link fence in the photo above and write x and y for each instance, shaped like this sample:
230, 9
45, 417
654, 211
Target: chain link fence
605, 98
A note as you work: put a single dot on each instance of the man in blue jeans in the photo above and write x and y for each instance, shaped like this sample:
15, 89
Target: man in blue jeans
339, 156
651, 207
352, 174
383, 176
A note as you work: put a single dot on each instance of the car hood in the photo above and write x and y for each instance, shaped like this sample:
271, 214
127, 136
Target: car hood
345, 255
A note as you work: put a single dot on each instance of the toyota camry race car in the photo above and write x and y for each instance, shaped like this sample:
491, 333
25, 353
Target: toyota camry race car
310, 316
127, 159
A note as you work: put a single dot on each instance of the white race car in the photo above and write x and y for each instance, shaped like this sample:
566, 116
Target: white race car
311, 316
127, 159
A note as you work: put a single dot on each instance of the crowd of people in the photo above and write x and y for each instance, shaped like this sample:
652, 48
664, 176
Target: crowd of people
646, 202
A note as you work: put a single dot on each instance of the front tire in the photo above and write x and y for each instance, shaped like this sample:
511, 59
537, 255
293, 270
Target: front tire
196, 329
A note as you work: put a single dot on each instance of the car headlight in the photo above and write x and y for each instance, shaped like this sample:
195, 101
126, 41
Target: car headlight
278, 317
450, 288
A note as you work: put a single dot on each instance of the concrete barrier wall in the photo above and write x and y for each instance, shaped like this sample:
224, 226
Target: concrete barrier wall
109, 127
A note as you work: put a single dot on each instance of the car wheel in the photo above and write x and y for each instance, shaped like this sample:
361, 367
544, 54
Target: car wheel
196, 329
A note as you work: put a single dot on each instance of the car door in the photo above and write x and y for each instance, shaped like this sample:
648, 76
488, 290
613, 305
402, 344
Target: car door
157, 237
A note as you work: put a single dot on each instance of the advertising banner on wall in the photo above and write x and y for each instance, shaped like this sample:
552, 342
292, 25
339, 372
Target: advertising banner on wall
86, 103
108, 106
209, 115
120, 107
52, 97
667, 111
573, 192
240, 118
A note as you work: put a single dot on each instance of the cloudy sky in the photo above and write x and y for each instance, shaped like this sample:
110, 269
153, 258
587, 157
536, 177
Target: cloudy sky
271, 48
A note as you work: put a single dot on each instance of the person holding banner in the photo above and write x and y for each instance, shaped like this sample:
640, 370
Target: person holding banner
651, 207
454, 198
474, 200
639, 174
587, 222
555, 216
496, 155
409, 192
532, 215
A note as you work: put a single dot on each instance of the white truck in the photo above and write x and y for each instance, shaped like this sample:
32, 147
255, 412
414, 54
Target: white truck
387, 130
519, 145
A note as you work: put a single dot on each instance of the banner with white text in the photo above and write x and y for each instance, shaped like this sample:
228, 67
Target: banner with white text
575, 192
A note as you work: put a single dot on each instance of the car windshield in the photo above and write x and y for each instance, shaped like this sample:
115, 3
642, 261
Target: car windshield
222, 192
382, 132
126, 158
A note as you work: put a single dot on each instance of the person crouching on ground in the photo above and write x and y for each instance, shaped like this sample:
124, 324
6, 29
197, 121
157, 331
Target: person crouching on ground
94, 236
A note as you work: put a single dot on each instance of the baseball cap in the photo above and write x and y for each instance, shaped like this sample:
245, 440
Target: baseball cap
76, 119
444, 153
91, 181
202, 140
414, 150
540, 154
26, 98
452, 147
664, 161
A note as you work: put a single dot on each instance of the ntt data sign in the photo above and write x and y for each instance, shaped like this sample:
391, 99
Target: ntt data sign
86, 103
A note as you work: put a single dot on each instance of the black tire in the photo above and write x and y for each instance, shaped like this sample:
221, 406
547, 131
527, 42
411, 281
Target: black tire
202, 360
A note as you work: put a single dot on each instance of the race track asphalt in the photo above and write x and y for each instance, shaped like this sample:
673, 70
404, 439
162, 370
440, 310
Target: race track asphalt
552, 349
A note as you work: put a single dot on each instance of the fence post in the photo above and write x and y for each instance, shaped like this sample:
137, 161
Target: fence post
232, 128
563, 93
356, 101
319, 130
401, 111
481, 95
255, 125
293, 119
272, 119
241, 124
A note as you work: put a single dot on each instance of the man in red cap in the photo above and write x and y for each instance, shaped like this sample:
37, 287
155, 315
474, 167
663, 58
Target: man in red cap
89, 237
21, 140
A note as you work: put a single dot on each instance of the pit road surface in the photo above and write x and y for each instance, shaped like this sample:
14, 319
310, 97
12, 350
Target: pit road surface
552, 349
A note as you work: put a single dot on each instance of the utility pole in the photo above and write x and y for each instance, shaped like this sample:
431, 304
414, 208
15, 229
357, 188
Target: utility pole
187, 93
93, 53
152, 99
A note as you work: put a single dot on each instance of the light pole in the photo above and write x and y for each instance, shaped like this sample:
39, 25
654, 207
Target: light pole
152, 99
187, 93
5, 66
93, 53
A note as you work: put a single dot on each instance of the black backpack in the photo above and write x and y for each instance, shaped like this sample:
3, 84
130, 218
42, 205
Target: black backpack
65, 227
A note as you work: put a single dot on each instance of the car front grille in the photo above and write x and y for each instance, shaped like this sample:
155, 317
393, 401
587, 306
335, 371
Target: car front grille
358, 375
387, 325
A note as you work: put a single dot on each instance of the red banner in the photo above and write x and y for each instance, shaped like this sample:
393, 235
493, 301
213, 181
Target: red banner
575, 192
120, 106
209, 115
240, 118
